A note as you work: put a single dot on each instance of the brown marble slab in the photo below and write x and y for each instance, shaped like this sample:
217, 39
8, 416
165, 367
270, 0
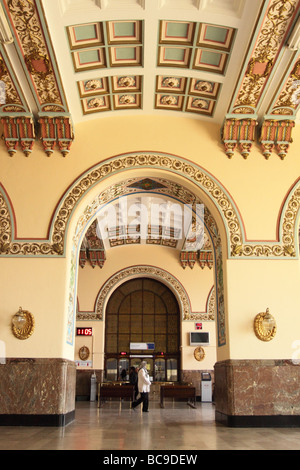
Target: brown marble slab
38, 387
258, 388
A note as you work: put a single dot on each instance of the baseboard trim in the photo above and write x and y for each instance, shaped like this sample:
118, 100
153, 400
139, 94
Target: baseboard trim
57, 420
274, 421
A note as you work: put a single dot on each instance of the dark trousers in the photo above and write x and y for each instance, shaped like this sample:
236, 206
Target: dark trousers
144, 398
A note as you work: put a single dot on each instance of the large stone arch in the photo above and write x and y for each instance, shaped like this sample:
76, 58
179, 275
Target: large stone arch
177, 192
237, 246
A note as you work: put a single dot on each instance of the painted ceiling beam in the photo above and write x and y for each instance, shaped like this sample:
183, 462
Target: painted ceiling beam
33, 49
261, 67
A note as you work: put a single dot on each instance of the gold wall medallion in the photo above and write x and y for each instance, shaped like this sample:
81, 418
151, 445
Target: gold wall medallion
264, 326
22, 324
199, 353
84, 353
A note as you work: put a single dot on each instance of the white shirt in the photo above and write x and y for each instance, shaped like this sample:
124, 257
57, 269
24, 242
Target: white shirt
143, 381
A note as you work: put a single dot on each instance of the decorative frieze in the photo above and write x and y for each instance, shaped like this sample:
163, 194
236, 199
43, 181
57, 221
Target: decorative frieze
150, 271
285, 247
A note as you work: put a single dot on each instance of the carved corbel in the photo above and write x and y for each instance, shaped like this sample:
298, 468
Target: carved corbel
238, 133
18, 131
188, 258
56, 131
276, 134
96, 258
205, 259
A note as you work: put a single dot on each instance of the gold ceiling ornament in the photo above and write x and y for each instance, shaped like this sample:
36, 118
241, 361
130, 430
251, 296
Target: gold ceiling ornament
84, 353
22, 324
33, 46
259, 67
265, 326
199, 353
270, 40
38, 64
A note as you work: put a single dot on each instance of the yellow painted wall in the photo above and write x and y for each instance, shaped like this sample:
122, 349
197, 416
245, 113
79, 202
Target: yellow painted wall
39, 286
254, 286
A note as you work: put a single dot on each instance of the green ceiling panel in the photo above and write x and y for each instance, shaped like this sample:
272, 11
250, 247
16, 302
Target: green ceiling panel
87, 57
85, 32
213, 33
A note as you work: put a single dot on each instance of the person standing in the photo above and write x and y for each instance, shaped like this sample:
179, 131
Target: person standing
143, 387
133, 380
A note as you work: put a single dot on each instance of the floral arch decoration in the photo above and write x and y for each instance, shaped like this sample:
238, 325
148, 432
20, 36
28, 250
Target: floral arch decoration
237, 246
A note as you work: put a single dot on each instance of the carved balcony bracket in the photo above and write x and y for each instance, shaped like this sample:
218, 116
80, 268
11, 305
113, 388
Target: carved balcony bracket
276, 135
238, 134
203, 257
18, 131
56, 131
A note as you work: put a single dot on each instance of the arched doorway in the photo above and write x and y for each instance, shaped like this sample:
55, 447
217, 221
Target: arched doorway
142, 321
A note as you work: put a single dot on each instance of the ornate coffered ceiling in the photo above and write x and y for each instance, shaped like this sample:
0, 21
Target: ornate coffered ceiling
225, 61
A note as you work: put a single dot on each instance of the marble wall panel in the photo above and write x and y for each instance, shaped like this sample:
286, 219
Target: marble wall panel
258, 388
37, 387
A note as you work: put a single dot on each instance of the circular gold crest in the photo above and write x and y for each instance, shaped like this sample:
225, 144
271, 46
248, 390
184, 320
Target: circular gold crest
84, 353
199, 353
265, 326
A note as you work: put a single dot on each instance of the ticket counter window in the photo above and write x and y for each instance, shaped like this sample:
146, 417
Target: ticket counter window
123, 369
160, 370
111, 369
171, 370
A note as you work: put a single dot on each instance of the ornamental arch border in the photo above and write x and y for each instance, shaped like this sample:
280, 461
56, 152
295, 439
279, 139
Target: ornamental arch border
237, 246
159, 274
139, 271
55, 245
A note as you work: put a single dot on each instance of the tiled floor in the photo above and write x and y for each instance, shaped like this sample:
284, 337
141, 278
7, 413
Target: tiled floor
176, 427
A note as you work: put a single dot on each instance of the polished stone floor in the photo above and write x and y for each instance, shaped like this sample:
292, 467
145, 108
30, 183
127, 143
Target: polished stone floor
178, 427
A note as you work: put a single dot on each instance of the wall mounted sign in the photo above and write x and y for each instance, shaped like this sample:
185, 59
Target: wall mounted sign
84, 363
142, 346
84, 331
